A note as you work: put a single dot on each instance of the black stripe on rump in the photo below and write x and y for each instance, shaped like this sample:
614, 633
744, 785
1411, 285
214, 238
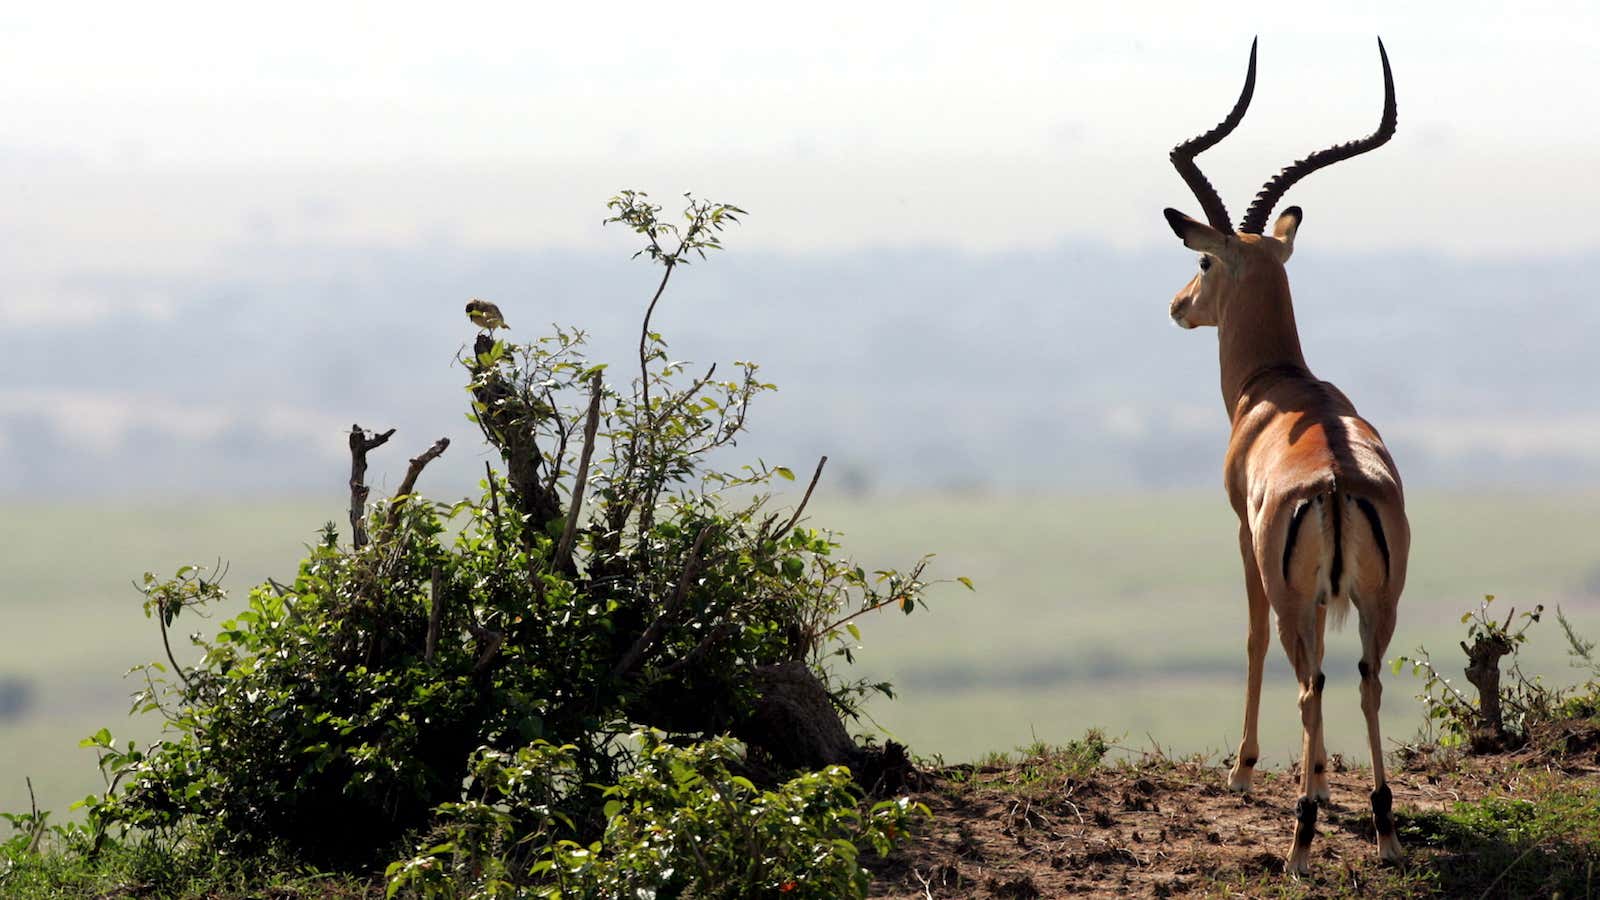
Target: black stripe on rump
1336, 567
1371, 512
1294, 531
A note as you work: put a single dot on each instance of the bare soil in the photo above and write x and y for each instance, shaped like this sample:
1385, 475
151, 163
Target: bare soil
1157, 827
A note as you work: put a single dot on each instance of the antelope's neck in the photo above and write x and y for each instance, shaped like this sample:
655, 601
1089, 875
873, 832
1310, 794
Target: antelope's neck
1256, 336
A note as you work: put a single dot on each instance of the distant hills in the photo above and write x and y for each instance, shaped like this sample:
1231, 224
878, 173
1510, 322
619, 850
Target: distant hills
910, 368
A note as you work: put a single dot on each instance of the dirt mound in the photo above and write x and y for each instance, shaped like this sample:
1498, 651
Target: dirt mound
1051, 826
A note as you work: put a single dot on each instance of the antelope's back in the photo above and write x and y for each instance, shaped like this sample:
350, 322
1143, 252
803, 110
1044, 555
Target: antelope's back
1300, 437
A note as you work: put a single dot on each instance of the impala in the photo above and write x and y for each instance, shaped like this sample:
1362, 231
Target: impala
1322, 523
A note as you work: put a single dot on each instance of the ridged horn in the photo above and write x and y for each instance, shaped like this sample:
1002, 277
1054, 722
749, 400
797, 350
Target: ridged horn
1183, 155
1255, 218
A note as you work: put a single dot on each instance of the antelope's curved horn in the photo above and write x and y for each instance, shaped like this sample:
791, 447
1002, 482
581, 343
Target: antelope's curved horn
1255, 218
1183, 155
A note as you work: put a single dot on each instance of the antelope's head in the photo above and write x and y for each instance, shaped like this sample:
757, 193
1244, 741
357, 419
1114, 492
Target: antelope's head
1234, 263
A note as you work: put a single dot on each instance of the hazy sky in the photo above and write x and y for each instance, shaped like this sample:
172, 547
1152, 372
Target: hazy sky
143, 135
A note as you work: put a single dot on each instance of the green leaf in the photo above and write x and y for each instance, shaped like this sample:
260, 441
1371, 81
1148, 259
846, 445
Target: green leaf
784, 473
966, 581
854, 631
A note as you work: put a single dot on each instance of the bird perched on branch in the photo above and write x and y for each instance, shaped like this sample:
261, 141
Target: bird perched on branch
485, 315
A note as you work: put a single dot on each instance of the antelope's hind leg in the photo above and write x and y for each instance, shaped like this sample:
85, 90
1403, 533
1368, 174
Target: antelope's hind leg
1377, 626
1302, 641
1244, 763
1319, 755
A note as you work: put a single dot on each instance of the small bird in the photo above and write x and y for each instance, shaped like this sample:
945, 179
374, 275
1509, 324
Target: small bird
485, 315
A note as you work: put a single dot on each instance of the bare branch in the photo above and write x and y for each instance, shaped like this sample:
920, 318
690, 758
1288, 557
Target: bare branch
591, 426
815, 476
494, 506
35, 823
635, 654
684, 397
409, 483
435, 613
360, 444
418, 463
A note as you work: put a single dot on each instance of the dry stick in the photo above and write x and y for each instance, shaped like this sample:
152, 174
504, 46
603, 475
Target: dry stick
494, 505
569, 534
646, 640
417, 464
35, 824
803, 501
360, 444
435, 613
409, 483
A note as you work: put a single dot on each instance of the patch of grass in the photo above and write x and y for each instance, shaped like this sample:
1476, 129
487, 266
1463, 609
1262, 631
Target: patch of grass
1043, 769
1541, 840
144, 869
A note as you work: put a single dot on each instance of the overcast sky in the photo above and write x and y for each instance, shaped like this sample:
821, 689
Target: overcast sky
143, 135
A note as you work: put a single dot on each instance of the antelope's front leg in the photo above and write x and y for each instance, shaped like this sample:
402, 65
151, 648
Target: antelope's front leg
1244, 763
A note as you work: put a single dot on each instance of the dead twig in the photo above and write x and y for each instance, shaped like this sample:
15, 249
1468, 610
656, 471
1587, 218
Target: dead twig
360, 445
418, 463
591, 426
815, 476
409, 483
35, 823
494, 505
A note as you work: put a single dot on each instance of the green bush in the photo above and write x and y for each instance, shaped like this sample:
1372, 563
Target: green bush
683, 818
608, 579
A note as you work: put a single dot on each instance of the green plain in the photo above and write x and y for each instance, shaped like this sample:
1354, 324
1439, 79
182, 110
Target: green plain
1120, 611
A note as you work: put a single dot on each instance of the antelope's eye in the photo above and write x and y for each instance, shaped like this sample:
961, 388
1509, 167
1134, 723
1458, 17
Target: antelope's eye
1205, 263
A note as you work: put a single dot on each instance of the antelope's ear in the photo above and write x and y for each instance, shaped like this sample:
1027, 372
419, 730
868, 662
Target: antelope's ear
1285, 228
1195, 235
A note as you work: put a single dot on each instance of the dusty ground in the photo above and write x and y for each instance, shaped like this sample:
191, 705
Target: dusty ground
1047, 828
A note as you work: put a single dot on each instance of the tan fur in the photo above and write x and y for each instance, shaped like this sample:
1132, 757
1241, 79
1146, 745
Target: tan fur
1296, 440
